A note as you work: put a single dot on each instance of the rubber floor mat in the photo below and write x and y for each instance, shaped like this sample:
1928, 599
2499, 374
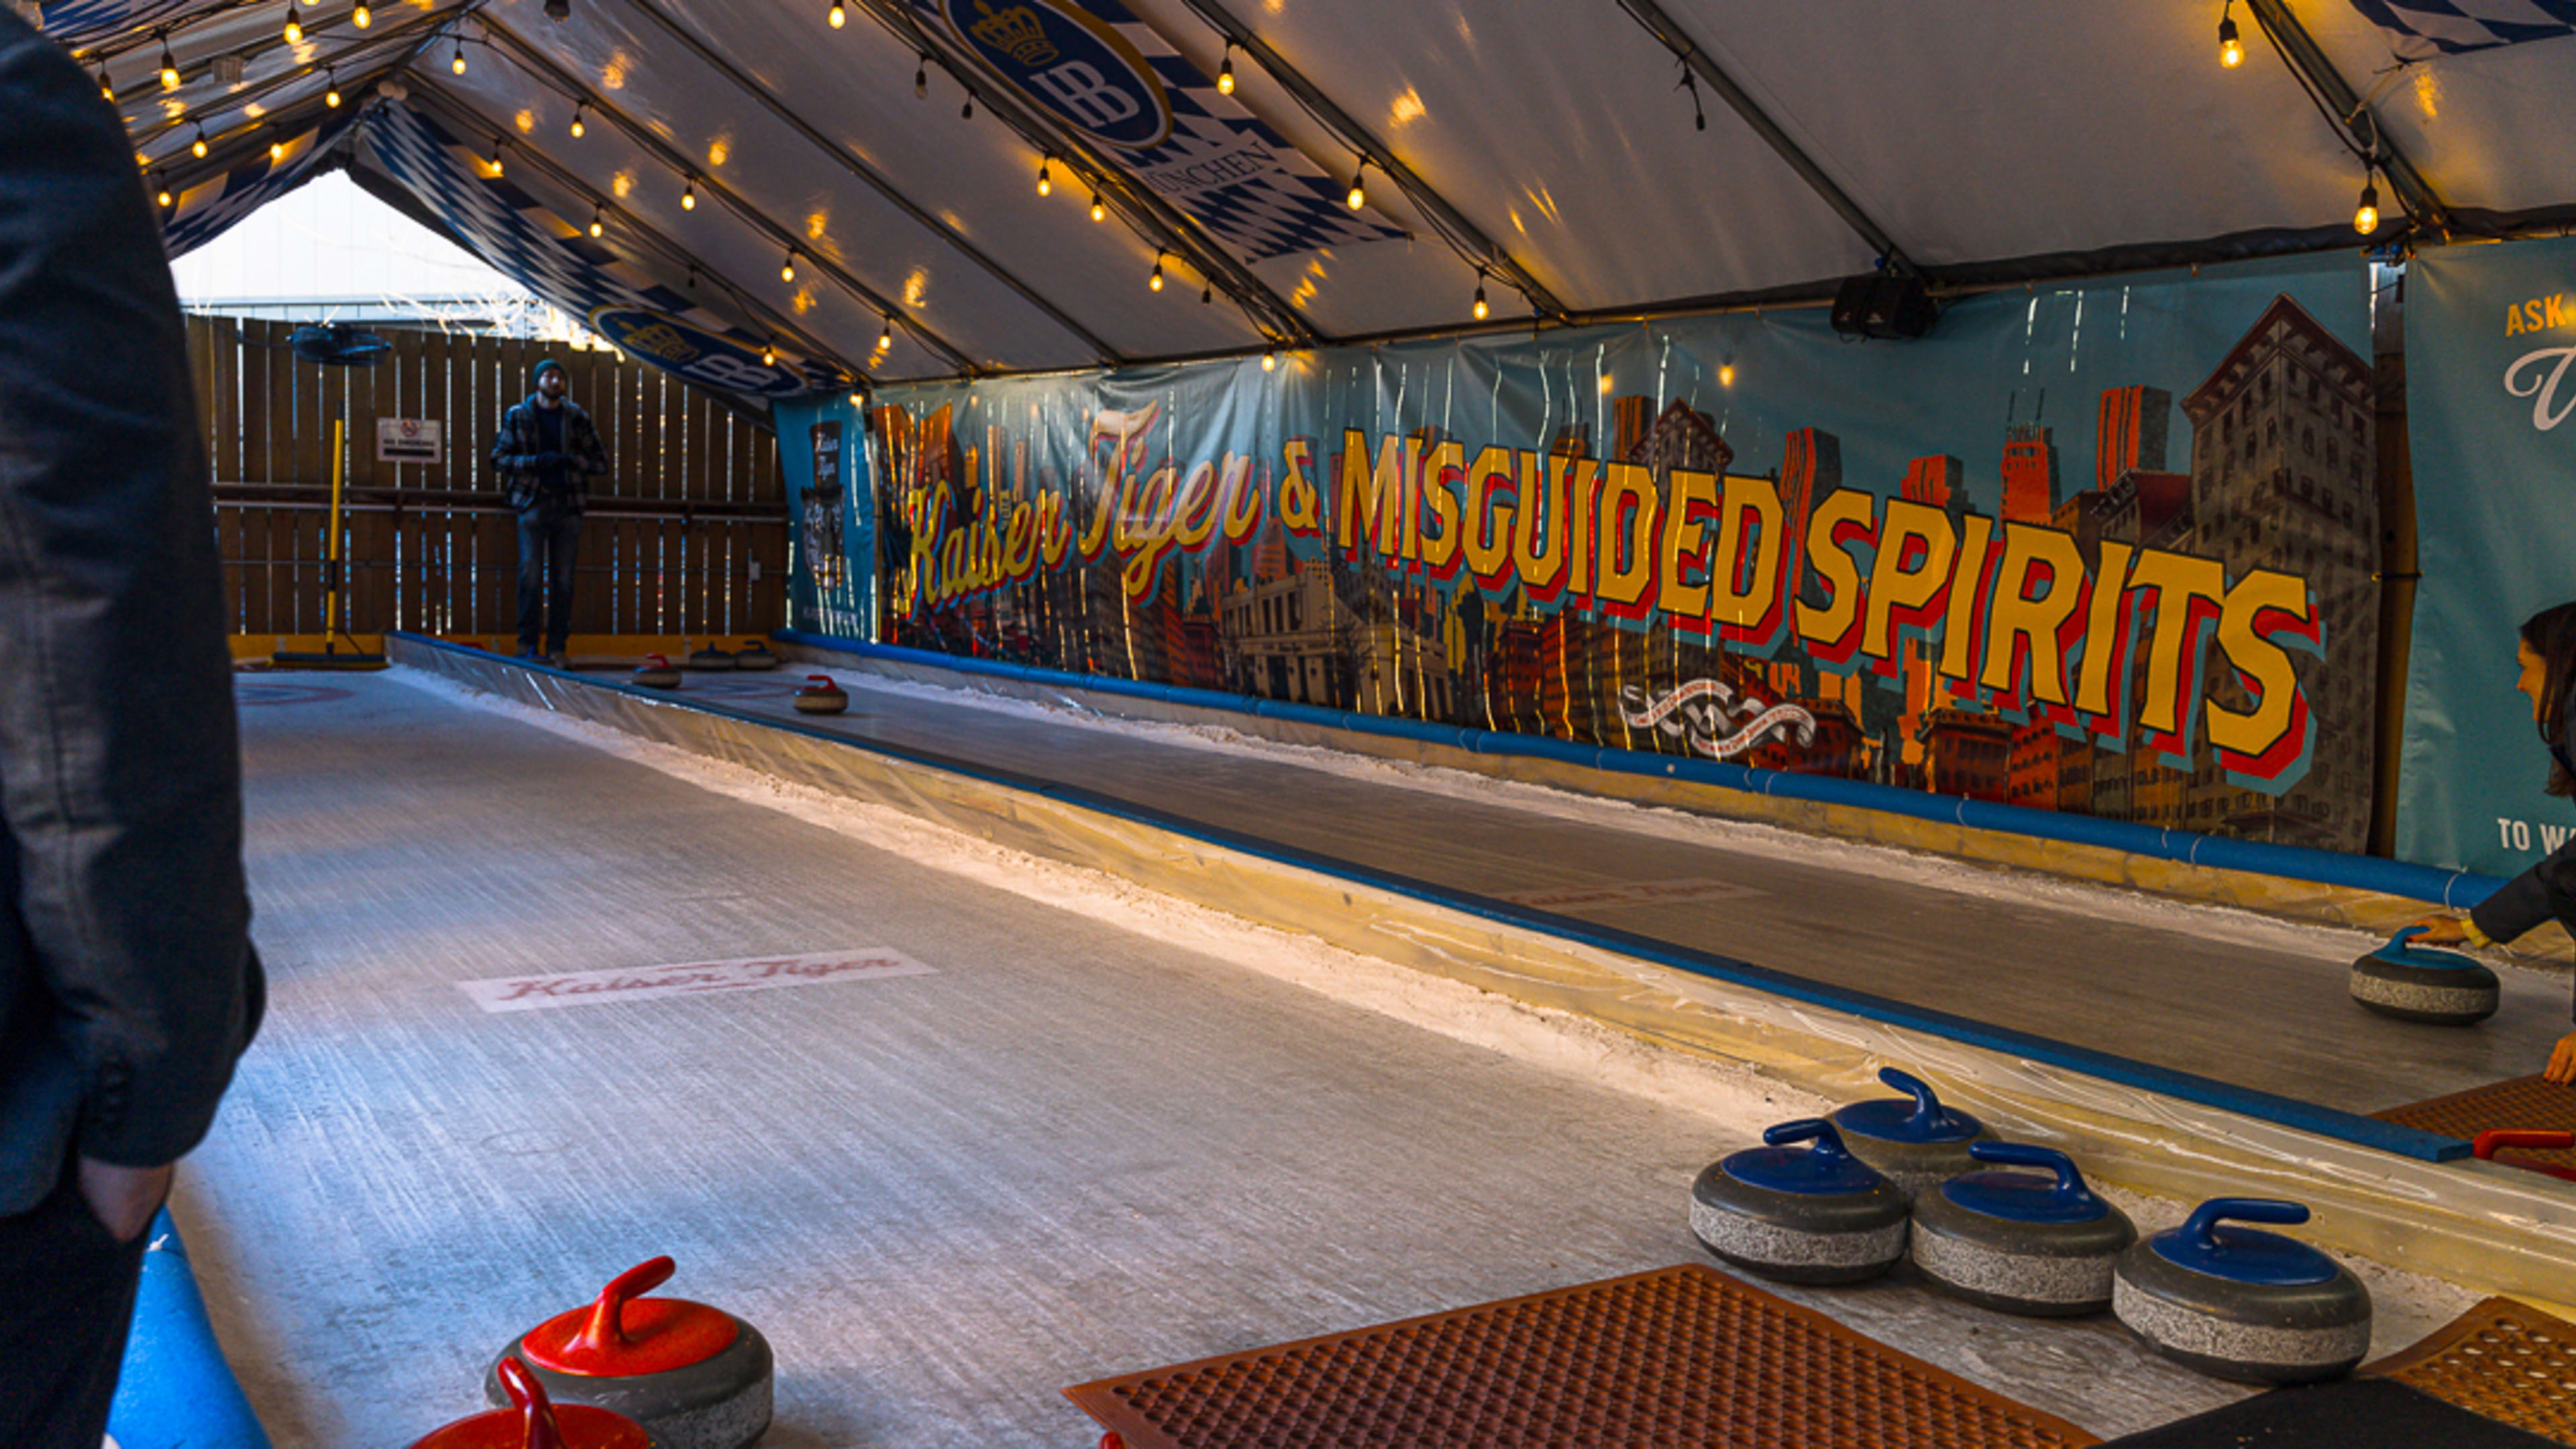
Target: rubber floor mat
1681, 1356
2504, 1359
2522, 1102
2352, 1414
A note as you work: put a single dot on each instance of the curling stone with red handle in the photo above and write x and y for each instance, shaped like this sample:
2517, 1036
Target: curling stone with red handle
821, 696
1916, 1141
2238, 1304
657, 673
696, 1377
532, 1421
1818, 1216
2418, 983
2020, 1242
754, 654
2495, 1140
710, 657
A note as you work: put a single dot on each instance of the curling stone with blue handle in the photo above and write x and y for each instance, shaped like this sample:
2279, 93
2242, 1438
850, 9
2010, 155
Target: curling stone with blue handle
2419, 983
1817, 1216
656, 673
755, 654
710, 657
2252, 1307
1916, 1141
2013, 1241
695, 1377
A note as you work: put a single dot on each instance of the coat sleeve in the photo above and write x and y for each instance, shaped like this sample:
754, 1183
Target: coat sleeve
513, 446
125, 816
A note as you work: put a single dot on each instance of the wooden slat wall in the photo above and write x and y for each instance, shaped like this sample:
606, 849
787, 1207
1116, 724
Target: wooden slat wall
694, 503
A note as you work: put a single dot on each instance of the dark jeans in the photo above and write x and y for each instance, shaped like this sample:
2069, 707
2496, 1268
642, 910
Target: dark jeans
63, 1316
549, 542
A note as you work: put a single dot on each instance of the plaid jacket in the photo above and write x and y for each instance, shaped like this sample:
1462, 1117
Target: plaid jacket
515, 451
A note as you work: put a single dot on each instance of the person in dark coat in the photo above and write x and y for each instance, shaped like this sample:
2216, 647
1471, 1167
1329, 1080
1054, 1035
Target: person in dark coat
546, 453
2547, 891
127, 982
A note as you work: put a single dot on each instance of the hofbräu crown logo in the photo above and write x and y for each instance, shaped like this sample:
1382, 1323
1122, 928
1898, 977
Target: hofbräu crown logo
1015, 32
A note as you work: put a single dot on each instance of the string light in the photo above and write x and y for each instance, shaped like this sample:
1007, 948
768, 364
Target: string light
1690, 82
2365, 217
966, 112
331, 95
840, 15
1359, 193
885, 339
1046, 179
162, 195
1481, 308
1154, 283
1270, 362
1099, 210
362, 17
787, 268
769, 354
921, 78
689, 195
2231, 51
1207, 292
276, 152
294, 27
107, 84
1225, 72
169, 68
497, 143
458, 63
577, 127
1726, 374
197, 147
597, 223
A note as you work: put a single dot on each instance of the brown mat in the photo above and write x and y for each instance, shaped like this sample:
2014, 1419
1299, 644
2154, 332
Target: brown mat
1680, 1356
2505, 1360
2522, 1102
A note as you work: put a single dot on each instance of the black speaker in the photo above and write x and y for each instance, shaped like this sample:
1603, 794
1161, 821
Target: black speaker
1882, 304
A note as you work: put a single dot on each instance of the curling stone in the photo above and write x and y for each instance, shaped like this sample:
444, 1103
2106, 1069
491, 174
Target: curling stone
1918, 1143
710, 657
695, 1377
1818, 1216
821, 696
657, 674
2042, 1246
2419, 983
533, 1421
2253, 1307
755, 655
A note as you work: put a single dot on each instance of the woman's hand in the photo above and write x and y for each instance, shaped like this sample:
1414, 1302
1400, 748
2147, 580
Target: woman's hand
2442, 931
2562, 1062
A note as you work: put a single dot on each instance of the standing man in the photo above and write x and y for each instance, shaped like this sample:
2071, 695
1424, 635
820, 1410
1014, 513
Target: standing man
546, 454
127, 982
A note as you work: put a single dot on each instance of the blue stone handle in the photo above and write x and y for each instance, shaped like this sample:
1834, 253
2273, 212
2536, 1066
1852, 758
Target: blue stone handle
1829, 1143
2071, 1190
1929, 1115
2201, 1227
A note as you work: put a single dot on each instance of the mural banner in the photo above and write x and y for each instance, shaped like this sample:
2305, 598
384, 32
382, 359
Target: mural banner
833, 567
2105, 548
2490, 335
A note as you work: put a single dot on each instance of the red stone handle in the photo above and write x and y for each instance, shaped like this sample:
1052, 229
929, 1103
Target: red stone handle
605, 1331
2488, 1142
662, 660
824, 680
537, 1428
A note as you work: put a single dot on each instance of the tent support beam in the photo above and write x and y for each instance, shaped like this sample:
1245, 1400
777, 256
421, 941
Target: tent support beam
529, 57
707, 55
1677, 40
777, 325
2358, 120
1153, 218
1380, 155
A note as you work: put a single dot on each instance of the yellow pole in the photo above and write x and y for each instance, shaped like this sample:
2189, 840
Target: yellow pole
332, 546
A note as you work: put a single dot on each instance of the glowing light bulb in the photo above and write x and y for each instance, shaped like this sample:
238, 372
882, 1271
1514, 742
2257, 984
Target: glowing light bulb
1154, 283
1225, 72
2231, 51
577, 126
1046, 179
768, 355
2365, 217
1481, 308
885, 339
496, 155
169, 69
1270, 362
1726, 374
597, 224
1359, 193
164, 198
1099, 211
294, 27
840, 16
787, 268
197, 147
276, 152
457, 63
331, 96
106, 84
362, 17
689, 197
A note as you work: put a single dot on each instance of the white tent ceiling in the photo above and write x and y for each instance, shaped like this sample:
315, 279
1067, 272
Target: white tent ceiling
1549, 141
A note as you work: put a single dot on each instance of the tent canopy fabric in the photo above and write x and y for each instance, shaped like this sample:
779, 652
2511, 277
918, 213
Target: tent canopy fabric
1568, 161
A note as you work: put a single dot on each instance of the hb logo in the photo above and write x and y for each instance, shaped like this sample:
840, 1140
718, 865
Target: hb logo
1073, 63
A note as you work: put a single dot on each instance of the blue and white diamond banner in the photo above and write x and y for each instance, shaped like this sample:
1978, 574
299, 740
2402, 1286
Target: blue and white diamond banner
78, 23
1104, 73
2420, 29
517, 236
207, 207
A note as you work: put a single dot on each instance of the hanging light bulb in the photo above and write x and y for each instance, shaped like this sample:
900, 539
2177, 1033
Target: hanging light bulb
276, 152
331, 91
1359, 193
1046, 178
598, 223
197, 147
106, 83
362, 17
294, 27
689, 196
2231, 51
163, 197
966, 112
497, 143
1270, 362
2365, 217
1481, 308
840, 15
457, 63
577, 126
1099, 211
1225, 72
921, 78
885, 339
1726, 374
769, 354
169, 68
1207, 292
1154, 283
787, 268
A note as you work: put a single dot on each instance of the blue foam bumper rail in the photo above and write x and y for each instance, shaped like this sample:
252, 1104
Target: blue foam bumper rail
2451, 889
176, 1390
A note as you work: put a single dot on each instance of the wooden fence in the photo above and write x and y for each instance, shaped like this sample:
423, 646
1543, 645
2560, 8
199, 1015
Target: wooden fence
686, 536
